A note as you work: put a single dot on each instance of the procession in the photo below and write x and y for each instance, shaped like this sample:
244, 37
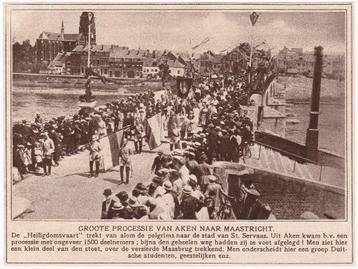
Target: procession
206, 126
215, 135
178, 133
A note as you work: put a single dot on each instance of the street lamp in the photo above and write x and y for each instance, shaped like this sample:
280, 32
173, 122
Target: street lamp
253, 17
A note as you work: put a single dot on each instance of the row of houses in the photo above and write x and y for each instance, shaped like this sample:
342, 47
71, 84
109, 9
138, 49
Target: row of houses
295, 61
68, 54
234, 61
122, 62
117, 62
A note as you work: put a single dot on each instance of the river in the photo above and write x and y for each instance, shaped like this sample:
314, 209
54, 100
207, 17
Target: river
53, 103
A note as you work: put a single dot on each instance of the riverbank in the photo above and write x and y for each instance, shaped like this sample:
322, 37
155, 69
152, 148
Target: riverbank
45, 81
299, 90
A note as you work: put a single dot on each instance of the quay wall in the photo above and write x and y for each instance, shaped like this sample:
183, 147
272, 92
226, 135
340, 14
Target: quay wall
72, 81
289, 196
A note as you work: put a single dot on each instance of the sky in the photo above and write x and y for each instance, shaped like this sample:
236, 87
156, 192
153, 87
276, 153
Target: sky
180, 31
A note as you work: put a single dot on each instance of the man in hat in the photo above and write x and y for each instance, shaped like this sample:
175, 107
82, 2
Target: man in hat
158, 162
177, 183
155, 188
164, 174
55, 136
142, 196
189, 205
212, 143
48, 148
248, 193
125, 212
38, 118
18, 159
170, 200
191, 163
212, 195
107, 205
174, 136
182, 169
125, 161
78, 132
95, 152
204, 172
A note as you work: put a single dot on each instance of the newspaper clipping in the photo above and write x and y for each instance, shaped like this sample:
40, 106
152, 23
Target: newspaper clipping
179, 133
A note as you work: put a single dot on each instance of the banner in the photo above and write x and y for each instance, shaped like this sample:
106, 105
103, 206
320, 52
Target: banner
110, 150
154, 130
183, 86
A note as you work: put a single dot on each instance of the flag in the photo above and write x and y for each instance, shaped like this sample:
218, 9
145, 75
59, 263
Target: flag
206, 40
253, 17
91, 17
110, 146
154, 130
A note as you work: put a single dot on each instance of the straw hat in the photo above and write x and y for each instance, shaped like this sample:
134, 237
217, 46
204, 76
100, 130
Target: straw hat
212, 178
168, 185
187, 190
117, 206
193, 177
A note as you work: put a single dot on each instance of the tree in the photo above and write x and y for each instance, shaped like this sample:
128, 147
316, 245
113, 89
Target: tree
24, 57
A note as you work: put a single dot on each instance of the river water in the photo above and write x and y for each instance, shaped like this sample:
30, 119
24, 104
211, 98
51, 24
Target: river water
53, 103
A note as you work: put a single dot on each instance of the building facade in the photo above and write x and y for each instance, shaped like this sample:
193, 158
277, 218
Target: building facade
296, 61
49, 44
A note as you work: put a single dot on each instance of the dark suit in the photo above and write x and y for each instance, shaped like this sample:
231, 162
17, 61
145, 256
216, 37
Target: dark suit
107, 214
189, 206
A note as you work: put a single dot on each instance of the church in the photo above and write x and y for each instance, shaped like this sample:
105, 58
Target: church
49, 44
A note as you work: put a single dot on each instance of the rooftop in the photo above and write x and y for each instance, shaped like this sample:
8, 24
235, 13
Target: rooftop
57, 36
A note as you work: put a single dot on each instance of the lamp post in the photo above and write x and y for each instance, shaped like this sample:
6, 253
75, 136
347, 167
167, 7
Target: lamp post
253, 18
312, 131
90, 16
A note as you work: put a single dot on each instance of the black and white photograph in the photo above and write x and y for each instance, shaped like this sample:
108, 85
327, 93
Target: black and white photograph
178, 114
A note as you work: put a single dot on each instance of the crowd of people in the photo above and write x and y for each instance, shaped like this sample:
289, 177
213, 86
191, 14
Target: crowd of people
69, 135
227, 130
206, 125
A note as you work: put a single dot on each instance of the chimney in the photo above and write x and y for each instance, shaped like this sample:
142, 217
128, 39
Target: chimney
312, 131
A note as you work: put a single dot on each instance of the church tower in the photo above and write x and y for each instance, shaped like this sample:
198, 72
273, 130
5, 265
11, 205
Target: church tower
86, 19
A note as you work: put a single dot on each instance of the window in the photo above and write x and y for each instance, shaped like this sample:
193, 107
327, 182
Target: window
105, 71
178, 72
